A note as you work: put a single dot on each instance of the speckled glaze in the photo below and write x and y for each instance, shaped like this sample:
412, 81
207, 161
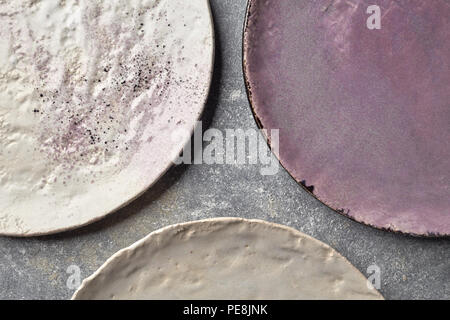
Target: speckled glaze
364, 115
227, 258
91, 93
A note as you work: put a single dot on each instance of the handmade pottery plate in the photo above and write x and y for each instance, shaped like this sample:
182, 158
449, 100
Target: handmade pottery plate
227, 258
363, 113
91, 94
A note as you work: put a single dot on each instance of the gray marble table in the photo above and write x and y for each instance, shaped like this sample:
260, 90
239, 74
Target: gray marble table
411, 268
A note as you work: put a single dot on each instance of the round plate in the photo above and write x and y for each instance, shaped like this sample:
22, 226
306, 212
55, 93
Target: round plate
364, 114
227, 258
91, 94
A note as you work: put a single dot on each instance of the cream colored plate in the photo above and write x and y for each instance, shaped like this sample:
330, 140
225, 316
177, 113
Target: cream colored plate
91, 93
227, 258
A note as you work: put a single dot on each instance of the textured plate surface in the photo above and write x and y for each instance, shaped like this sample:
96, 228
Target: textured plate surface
364, 115
227, 258
91, 93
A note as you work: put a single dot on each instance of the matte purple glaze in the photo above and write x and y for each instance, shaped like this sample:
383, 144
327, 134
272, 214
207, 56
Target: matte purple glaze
364, 115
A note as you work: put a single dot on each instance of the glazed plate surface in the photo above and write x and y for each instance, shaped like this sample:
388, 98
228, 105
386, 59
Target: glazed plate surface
227, 258
364, 115
91, 96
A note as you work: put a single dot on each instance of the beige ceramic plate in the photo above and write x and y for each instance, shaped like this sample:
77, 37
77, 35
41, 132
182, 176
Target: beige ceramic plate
227, 258
91, 93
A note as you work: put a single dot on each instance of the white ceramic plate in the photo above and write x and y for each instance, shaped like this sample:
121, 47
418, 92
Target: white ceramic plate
227, 258
91, 93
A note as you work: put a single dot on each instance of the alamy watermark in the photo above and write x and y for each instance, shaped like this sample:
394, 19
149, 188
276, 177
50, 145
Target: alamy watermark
374, 20
374, 279
74, 280
230, 147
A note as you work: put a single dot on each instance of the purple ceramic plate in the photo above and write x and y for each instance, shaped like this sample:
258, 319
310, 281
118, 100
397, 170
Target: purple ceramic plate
364, 114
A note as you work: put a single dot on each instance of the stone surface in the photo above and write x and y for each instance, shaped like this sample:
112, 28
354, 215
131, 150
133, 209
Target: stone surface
411, 268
